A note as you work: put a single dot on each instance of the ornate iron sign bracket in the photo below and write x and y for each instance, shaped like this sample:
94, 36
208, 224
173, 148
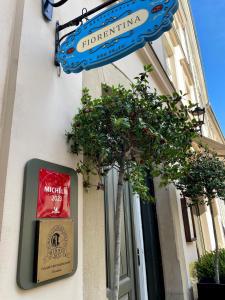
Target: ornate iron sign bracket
47, 11
47, 8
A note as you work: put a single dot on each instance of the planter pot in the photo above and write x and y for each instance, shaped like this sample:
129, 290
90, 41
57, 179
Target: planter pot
209, 291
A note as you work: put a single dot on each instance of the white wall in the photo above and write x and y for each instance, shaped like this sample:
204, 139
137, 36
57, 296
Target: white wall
43, 108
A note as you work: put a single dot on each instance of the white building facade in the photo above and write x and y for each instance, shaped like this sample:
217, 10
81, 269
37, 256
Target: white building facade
37, 106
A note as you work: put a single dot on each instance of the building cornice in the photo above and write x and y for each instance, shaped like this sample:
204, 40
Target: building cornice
185, 11
215, 123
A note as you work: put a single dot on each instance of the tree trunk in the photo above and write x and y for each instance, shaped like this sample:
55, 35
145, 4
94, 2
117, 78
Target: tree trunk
217, 271
119, 202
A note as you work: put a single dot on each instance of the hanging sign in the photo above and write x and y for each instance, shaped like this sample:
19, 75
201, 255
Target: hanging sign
53, 195
115, 33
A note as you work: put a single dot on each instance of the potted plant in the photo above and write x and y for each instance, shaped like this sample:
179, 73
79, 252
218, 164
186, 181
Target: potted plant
134, 131
202, 184
205, 273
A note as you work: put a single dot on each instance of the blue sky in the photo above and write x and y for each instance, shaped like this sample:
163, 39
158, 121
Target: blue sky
209, 17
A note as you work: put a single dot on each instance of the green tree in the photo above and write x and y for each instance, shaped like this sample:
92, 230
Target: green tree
135, 131
203, 182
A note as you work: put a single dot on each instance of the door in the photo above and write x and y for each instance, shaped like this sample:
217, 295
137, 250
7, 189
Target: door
153, 261
127, 280
140, 251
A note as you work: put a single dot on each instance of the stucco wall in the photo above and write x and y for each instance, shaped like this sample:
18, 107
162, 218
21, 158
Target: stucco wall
7, 24
173, 244
43, 108
11, 24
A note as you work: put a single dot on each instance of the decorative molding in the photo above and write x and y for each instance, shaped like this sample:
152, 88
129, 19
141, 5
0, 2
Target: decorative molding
213, 145
159, 74
168, 45
174, 37
187, 70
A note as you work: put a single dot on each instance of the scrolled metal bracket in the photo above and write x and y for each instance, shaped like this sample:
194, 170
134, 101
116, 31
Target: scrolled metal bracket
57, 42
47, 8
47, 11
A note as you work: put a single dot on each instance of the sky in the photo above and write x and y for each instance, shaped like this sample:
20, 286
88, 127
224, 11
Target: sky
209, 18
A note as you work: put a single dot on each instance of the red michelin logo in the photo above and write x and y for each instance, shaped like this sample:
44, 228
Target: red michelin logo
53, 195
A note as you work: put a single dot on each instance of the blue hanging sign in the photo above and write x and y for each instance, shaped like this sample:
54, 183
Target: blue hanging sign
115, 33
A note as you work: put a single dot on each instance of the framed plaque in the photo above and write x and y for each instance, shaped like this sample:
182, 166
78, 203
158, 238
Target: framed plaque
48, 246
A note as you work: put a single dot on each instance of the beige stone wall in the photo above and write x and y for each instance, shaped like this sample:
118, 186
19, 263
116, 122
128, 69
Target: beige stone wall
94, 280
173, 245
94, 246
185, 70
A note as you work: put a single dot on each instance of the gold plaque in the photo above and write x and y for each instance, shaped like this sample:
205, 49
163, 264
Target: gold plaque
54, 249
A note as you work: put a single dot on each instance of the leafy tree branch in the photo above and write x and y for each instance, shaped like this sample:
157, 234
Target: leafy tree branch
135, 131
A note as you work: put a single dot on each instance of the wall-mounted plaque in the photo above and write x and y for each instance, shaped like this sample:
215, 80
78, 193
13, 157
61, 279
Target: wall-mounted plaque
54, 255
53, 194
48, 246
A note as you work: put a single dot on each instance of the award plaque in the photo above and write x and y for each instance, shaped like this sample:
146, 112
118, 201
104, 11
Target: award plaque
48, 245
54, 257
53, 194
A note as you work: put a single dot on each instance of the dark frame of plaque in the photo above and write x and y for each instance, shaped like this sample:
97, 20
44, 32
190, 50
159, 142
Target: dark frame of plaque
28, 228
